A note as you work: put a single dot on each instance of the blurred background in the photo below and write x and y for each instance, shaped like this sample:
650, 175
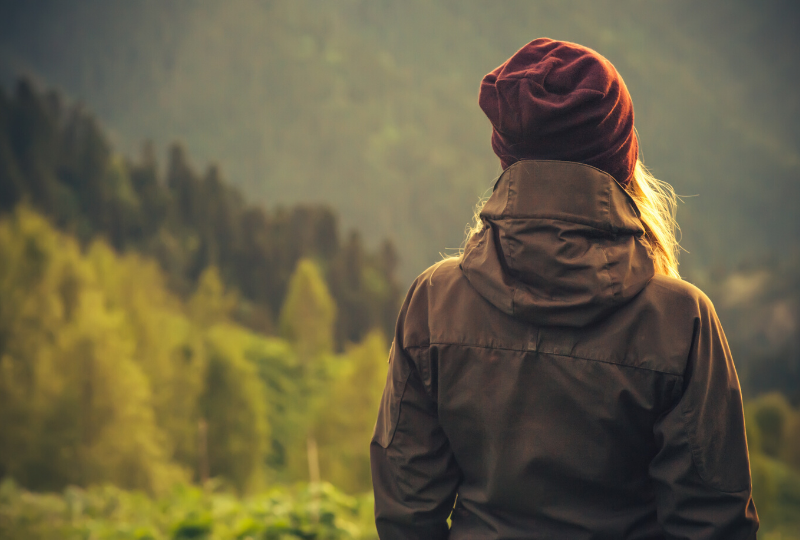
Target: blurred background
210, 212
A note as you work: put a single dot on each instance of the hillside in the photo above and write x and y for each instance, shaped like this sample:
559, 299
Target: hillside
371, 106
56, 158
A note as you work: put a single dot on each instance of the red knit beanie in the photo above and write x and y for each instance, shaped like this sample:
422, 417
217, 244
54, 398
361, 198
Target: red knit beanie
562, 101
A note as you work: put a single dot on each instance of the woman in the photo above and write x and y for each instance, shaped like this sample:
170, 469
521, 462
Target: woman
558, 379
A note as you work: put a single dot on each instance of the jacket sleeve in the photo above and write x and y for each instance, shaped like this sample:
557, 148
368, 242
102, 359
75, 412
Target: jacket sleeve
701, 470
414, 473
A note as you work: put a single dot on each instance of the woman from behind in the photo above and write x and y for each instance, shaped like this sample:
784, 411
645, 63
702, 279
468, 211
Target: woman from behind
558, 379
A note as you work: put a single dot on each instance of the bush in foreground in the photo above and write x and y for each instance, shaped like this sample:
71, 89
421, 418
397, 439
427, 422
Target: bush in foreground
307, 512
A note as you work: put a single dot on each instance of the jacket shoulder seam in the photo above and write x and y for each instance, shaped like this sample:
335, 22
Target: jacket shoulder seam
428, 345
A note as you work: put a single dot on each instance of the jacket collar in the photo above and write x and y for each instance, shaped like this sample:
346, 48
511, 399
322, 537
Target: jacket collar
561, 245
563, 190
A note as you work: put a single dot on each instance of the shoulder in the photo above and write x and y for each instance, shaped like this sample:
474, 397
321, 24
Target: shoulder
436, 299
437, 280
656, 330
679, 293
443, 271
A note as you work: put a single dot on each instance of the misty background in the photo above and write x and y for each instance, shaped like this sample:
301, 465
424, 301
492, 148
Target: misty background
371, 107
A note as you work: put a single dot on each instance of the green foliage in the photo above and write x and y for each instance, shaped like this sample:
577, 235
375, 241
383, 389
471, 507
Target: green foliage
776, 492
285, 392
772, 437
303, 512
75, 405
329, 415
125, 359
308, 314
58, 160
210, 304
307, 323
774, 425
343, 424
169, 348
107, 376
236, 411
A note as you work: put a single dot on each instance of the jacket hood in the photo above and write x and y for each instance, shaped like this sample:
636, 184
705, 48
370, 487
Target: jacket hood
561, 245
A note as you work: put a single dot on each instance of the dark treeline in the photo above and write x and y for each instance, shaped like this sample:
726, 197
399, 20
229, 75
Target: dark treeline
56, 158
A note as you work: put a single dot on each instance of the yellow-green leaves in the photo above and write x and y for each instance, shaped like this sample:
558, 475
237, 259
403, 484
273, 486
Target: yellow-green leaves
210, 303
235, 408
76, 403
107, 376
308, 313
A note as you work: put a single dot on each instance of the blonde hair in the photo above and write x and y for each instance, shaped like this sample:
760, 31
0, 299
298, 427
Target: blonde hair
657, 204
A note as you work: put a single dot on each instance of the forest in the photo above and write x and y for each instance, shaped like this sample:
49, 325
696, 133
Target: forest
134, 351
208, 218
56, 159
